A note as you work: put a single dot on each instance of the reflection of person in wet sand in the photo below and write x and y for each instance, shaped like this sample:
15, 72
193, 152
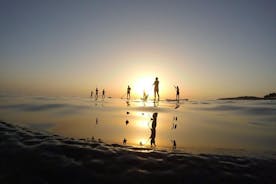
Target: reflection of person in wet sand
152, 137
156, 88
174, 144
153, 129
127, 102
174, 124
128, 92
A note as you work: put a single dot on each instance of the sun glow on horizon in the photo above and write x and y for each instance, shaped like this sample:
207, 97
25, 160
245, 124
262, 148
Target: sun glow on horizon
143, 84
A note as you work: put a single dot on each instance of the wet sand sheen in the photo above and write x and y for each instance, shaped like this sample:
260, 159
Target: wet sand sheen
29, 156
233, 128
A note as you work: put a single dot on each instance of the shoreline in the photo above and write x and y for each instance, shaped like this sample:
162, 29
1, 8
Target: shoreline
29, 156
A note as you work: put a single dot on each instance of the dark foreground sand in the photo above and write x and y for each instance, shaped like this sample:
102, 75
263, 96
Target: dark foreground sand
32, 157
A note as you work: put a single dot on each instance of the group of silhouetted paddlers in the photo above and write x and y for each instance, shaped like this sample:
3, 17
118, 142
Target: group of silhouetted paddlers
97, 94
145, 96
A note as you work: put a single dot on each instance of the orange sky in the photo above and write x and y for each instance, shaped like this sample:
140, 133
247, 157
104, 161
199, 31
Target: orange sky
69, 49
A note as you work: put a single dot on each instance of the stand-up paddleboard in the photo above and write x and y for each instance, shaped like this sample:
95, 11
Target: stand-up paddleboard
174, 100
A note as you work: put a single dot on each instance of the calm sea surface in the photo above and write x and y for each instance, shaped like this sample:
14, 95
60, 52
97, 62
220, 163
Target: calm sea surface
228, 127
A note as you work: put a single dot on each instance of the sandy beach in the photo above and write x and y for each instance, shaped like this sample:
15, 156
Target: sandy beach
29, 156
138, 92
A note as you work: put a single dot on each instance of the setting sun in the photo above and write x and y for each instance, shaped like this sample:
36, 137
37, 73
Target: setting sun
141, 85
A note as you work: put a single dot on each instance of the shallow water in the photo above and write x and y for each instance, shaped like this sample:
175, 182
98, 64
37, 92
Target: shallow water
227, 127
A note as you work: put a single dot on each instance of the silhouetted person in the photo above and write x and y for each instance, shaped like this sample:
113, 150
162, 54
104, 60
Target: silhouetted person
177, 93
128, 92
145, 96
103, 94
91, 94
97, 93
156, 88
153, 129
124, 141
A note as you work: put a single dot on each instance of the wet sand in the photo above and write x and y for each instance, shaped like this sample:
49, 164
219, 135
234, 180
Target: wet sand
28, 156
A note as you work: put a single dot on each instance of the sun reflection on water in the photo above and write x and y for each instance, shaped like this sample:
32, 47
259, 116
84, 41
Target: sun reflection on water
197, 126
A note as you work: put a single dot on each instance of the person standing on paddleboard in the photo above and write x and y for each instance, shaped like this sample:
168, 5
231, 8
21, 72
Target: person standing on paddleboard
156, 88
177, 93
128, 92
97, 92
103, 94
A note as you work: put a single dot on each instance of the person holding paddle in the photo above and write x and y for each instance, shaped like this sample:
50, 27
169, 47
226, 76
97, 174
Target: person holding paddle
177, 93
128, 92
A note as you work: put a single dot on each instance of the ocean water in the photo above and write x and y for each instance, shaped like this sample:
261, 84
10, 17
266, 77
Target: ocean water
222, 127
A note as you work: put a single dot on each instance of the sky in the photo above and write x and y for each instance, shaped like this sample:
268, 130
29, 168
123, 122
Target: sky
209, 48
